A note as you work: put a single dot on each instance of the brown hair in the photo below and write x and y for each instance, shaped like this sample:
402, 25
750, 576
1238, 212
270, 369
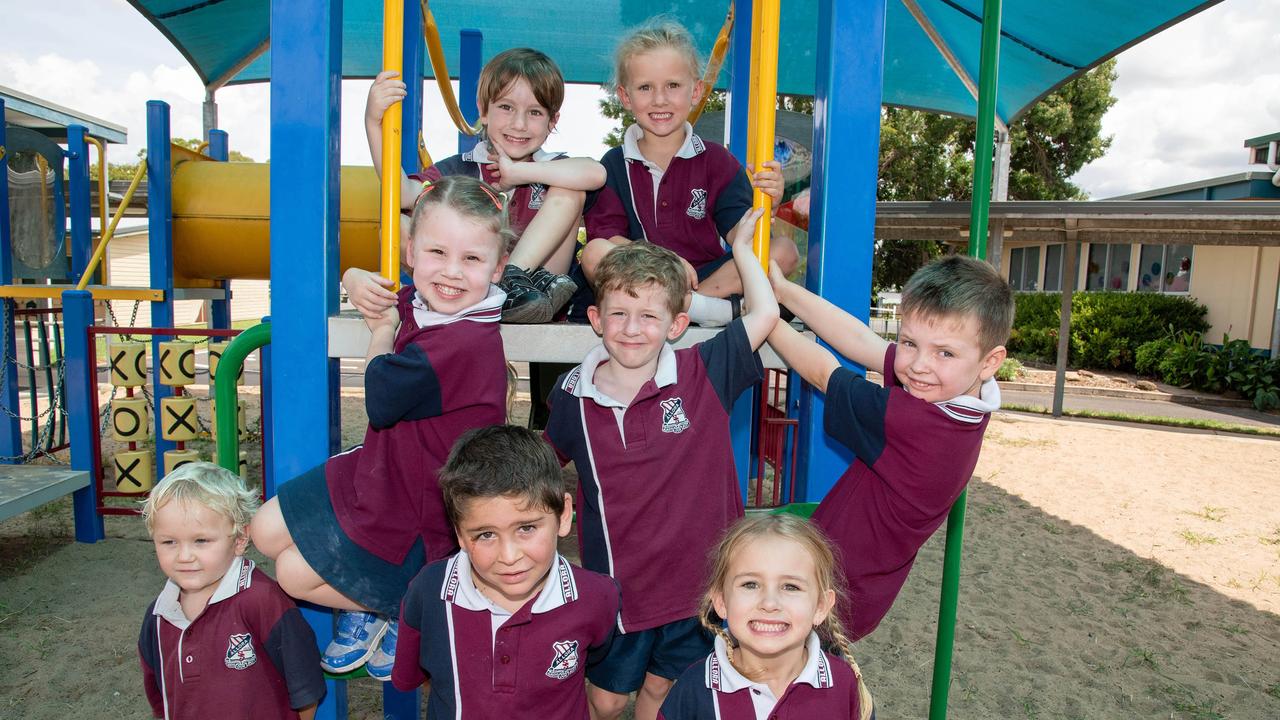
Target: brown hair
630, 267
501, 461
956, 286
809, 537
470, 198
656, 33
532, 66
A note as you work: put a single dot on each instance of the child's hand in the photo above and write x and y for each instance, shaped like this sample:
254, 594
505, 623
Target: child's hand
503, 177
691, 273
389, 319
369, 292
778, 280
387, 90
742, 235
769, 179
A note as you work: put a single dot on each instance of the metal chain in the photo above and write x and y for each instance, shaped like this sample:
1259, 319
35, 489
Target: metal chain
44, 437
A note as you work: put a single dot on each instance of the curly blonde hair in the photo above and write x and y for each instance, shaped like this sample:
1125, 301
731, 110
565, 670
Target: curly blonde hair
212, 486
800, 531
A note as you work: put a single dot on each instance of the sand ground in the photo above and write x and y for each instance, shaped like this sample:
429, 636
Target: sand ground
1110, 571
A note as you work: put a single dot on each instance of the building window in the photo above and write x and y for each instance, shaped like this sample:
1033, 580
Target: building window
1053, 267
1108, 267
1165, 268
1024, 268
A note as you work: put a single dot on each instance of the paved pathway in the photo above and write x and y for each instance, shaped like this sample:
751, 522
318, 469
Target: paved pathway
1157, 408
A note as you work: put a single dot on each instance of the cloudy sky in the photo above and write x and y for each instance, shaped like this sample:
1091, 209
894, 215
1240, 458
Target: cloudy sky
1187, 97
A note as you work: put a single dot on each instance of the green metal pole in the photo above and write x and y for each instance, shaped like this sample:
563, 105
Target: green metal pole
228, 420
983, 147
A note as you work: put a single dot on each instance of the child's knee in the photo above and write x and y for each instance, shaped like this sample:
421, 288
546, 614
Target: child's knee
593, 253
656, 686
564, 197
605, 705
267, 530
782, 250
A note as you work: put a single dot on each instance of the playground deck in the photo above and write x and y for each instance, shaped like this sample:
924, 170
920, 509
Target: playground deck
25, 487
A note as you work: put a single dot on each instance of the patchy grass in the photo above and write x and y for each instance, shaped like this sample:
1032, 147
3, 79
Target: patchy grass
1210, 513
1194, 538
1192, 423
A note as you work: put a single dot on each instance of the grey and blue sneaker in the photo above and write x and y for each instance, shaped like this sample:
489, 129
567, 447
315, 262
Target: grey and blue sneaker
525, 304
355, 642
557, 287
379, 666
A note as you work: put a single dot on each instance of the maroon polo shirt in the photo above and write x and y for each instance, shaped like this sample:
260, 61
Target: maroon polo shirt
524, 200
913, 459
702, 194
713, 689
447, 374
485, 664
656, 490
248, 655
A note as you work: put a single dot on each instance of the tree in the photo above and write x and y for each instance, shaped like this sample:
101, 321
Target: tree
125, 171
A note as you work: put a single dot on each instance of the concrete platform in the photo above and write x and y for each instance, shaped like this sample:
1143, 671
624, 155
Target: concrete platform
25, 487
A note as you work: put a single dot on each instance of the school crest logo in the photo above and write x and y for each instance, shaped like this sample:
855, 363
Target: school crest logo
240, 654
673, 418
537, 191
565, 661
697, 204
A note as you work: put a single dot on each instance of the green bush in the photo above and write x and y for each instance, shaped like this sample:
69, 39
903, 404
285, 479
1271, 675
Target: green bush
1188, 362
1008, 370
1107, 328
1147, 360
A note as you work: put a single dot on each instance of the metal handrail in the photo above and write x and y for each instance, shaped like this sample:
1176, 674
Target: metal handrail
224, 392
714, 63
91, 269
439, 68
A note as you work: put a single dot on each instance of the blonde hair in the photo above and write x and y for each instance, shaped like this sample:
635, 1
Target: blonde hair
788, 527
655, 34
212, 486
470, 198
630, 267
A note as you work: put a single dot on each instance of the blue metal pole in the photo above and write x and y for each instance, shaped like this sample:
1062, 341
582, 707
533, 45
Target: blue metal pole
220, 310
470, 51
10, 426
80, 381
847, 99
160, 237
740, 86
306, 46
414, 53
78, 188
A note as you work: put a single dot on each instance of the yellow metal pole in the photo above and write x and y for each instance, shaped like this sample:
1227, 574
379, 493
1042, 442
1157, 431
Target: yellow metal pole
766, 91
753, 102
392, 59
714, 63
439, 68
110, 232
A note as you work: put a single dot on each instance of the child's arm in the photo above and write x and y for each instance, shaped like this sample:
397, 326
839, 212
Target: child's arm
814, 362
384, 328
387, 90
369, 292
574, 173
847, 334
762, 306
306, 713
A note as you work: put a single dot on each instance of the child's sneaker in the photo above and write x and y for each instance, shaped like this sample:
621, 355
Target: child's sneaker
560, 288
356, 640
525, 303
379, 666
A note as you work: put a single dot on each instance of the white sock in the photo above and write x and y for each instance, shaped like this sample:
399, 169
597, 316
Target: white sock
709, 311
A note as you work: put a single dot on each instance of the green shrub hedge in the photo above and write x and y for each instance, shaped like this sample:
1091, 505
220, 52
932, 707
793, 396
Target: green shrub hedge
1183, 359
1107, 328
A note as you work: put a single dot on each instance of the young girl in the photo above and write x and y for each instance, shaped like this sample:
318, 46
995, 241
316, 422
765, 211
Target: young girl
669, 186
774, 584
353, 533
519, 96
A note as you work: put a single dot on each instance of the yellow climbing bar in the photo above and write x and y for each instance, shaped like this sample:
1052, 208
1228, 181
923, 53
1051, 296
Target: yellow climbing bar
110, 232
765, 94
439, 68
392, 59
714, 63
100, 292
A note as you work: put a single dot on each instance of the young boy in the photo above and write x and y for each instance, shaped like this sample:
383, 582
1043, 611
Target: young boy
917, 438
506, 627
222, 639
648, 430
519, 95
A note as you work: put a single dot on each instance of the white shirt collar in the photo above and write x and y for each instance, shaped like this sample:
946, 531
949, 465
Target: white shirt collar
487, 310
239, 576
581, 381
721, 675
480, 154
459, 587
970, 409
691, 147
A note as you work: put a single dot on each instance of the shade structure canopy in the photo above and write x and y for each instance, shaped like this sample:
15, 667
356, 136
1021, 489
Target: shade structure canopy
1044, 43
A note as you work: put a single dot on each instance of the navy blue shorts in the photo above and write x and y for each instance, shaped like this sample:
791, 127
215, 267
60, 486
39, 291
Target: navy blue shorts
705, 270
351, 570
666, 651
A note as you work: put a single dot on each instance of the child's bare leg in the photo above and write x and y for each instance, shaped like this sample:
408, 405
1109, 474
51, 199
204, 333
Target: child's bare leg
725, 281
594, 253
559, 212
606, 705
560, 260
271, 536
649, 699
